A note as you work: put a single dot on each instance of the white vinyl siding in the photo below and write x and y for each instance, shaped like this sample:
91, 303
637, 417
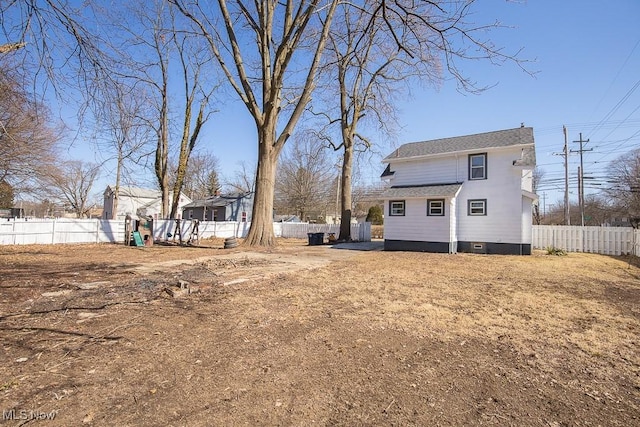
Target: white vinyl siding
431, 171
502, 189
503, 192
415, 225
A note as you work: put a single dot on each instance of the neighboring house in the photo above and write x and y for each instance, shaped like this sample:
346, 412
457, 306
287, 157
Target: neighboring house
139, 202
12, 213
463, 194
221, 207
618, 222
286, 218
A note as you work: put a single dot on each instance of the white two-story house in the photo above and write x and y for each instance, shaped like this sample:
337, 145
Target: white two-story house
137, 201
463, 194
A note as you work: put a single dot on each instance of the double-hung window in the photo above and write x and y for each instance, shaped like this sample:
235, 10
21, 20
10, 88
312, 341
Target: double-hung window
396, 208
435, 207
477, 207
478, 166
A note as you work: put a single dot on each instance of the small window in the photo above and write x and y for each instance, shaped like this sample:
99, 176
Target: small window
435, 207
190, 214
396, 208
477, 207
244, 217
478, 166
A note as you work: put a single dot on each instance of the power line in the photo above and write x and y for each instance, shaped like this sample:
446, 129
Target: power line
617, 75
616, 107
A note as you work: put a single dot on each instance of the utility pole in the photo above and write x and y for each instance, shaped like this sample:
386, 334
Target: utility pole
580, 204
567, 216
565, 154
581, 175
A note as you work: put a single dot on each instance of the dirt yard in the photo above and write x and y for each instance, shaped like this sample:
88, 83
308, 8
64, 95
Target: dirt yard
106, 335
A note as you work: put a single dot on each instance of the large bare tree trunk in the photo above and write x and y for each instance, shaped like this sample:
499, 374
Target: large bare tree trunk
116, 191
261, 231
345, 199
280, 29
161, 166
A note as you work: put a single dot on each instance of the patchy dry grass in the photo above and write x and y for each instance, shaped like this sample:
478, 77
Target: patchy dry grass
313, 335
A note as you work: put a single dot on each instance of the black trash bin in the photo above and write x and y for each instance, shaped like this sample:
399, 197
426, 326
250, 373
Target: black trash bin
315, 238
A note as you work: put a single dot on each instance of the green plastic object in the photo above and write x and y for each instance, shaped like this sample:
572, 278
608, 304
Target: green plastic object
137, 238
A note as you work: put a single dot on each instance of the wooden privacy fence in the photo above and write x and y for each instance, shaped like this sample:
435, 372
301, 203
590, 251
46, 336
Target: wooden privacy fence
600, 240
63, 230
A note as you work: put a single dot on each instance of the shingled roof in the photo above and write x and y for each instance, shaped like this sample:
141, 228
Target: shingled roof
502, 138
419, 191
217, 201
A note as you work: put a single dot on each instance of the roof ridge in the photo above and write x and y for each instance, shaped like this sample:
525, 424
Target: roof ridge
521, 136
470, 135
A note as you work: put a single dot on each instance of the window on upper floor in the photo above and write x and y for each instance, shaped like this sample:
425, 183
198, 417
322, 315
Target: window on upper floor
477, 207
435, 207
478, 166
396, 208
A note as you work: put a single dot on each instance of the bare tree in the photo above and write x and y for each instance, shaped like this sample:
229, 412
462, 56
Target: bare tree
10, 47
7, 195
376, 47
27, 140
289, 37
165, 58
120, 113
201, 179
536, 179
71, 183
304, 179
244, 179
624, 183
193, 58
55, 44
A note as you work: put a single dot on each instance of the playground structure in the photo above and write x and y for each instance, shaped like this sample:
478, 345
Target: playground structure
138, 231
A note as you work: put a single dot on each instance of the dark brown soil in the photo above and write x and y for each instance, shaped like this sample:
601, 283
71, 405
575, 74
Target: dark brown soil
304, 335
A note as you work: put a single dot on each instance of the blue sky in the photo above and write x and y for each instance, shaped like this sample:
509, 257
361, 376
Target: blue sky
587, 59
586, 55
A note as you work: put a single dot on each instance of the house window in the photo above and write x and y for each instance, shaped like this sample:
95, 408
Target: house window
396, 208
478, 166
244, 217
477, 207
435, 207
190, 214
